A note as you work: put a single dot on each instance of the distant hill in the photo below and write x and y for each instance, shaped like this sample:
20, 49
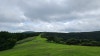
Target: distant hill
28, 32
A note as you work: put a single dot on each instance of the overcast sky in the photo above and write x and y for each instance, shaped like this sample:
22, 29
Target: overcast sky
50, 15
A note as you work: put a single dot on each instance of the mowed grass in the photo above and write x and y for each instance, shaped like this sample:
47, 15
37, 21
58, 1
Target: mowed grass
39, 47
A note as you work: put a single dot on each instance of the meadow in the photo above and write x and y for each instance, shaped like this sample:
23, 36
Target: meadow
37, 46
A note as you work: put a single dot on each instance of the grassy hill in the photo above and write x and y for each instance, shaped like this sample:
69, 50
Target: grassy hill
39, 47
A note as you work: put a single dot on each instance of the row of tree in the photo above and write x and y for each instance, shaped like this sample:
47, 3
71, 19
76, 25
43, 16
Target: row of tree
8, 40
85, 38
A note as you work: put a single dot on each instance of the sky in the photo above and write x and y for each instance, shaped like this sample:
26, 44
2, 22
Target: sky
50, 15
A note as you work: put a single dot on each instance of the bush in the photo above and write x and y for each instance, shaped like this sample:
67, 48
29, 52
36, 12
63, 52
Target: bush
7, 41
83, 42
91, 43
58, 40
73, 41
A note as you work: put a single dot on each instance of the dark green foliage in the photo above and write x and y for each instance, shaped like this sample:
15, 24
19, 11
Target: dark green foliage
83, 42
77, 35
80, 38
58, 40
21, 36
50, 39
73, 41
8, 40
90, 43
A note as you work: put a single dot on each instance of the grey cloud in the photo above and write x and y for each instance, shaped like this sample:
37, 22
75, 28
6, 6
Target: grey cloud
50, 15
10, 12
41, 10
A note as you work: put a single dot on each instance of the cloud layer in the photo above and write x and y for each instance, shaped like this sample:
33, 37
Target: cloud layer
50, 15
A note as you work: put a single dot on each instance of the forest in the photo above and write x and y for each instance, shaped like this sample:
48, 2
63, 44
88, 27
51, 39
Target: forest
74, 38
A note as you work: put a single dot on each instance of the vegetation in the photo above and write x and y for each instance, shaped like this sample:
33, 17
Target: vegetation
8, 40
39, 47
84, 38
83, 42
26, 44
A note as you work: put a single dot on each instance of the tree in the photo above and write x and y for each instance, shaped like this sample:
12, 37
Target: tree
7, 40
73, 41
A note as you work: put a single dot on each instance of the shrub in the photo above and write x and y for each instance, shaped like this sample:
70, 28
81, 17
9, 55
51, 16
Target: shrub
91, 43
58, 40
7, 41
73, 41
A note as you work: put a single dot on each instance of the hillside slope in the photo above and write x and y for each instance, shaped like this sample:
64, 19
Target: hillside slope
39, 47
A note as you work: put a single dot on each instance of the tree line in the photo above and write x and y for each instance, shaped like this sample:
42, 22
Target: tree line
8, 40
78, 38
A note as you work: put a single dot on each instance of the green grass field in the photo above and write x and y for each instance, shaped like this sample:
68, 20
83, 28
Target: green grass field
39, 47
